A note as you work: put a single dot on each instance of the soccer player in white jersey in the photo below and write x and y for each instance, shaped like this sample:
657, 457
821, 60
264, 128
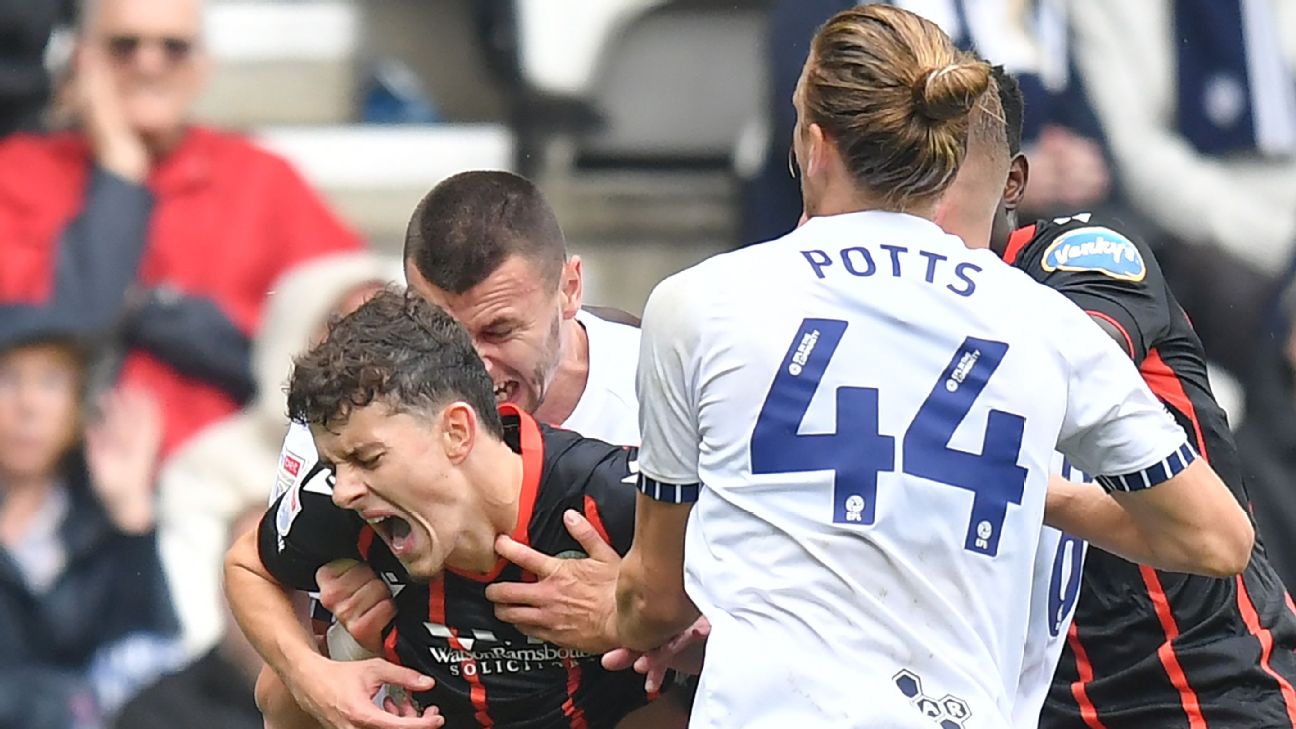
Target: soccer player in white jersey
975, 208
856, 422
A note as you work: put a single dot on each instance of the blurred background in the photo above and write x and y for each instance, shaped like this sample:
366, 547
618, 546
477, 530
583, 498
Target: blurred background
658, 130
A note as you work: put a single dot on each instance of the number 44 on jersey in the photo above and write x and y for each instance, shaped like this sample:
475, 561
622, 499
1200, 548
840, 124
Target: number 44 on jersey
857, 452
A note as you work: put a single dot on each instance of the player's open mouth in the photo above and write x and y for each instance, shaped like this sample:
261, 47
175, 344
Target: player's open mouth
396, 532
505, 391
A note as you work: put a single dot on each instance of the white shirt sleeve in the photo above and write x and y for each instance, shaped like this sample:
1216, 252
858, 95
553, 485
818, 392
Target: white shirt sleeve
1114, 426
296, 459
668, 423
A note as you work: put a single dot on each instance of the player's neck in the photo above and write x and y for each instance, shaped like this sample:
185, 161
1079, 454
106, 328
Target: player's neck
496, 476
570, 379
841, 199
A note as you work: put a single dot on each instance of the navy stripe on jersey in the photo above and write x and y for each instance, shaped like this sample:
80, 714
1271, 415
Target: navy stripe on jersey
1153, 475
670, 493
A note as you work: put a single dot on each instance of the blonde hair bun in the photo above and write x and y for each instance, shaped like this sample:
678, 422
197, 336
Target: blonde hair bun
941, 94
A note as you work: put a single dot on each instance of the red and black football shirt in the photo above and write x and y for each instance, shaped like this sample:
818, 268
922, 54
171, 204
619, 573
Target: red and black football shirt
1151, 648
487, 673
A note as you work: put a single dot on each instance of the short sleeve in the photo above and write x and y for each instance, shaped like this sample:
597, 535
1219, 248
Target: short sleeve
1114, 426
297, 457
1112, 278
668, 454
304, 530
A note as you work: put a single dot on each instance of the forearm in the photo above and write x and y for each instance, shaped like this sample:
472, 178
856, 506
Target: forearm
1088, 512
647, 618
265, 612
1210, 536
280, 709
101, 248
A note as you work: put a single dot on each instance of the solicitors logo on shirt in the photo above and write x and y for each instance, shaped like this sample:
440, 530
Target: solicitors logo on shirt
471, 653
1098, 249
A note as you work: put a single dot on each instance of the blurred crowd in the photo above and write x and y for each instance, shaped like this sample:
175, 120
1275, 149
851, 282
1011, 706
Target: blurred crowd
158, 275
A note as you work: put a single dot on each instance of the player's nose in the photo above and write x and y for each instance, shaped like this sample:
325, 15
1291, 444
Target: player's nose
488, 358
348, 488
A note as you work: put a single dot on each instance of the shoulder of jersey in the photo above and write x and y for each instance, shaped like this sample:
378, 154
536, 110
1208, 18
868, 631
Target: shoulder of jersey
1078, 244
571, 459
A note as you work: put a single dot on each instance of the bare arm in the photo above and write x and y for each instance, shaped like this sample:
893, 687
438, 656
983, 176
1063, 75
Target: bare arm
337, 694
1189, 523
264, 610
277, 704
652, 606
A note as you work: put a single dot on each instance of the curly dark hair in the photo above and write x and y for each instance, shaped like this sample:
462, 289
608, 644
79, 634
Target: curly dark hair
398, 349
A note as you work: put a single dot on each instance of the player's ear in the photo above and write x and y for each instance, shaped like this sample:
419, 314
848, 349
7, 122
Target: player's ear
458, 431
571, 286
1015, 186
817, 151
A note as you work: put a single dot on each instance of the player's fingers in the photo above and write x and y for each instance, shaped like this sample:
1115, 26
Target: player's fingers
327, 577
588, 537
529, 620
373, 717
619, 659
349, 603
367, 628
369, 596
643, 663
655, 678
396, 675
346, 575
513, 593
541, 565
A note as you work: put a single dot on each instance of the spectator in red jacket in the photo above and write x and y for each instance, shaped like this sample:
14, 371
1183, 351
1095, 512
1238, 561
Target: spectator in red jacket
159, 236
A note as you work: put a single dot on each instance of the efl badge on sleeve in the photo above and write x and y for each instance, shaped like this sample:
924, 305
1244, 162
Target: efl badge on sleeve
289, 471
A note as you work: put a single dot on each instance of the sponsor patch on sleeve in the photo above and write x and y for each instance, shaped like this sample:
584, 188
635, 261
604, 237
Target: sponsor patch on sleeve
290, 468
1097, 249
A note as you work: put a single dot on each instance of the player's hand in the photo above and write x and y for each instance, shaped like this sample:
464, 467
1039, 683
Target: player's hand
121, 448
341, 694
573, 601
358, 599
683, 653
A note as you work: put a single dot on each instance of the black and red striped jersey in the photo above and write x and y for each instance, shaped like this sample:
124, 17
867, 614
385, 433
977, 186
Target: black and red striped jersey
1150, 648
487, 672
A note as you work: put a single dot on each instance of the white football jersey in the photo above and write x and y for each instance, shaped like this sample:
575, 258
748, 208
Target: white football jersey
865, 412
1054, 593
608, 409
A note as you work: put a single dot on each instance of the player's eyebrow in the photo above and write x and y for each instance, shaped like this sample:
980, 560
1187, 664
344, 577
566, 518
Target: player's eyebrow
502, 322
342, 453
361, 450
